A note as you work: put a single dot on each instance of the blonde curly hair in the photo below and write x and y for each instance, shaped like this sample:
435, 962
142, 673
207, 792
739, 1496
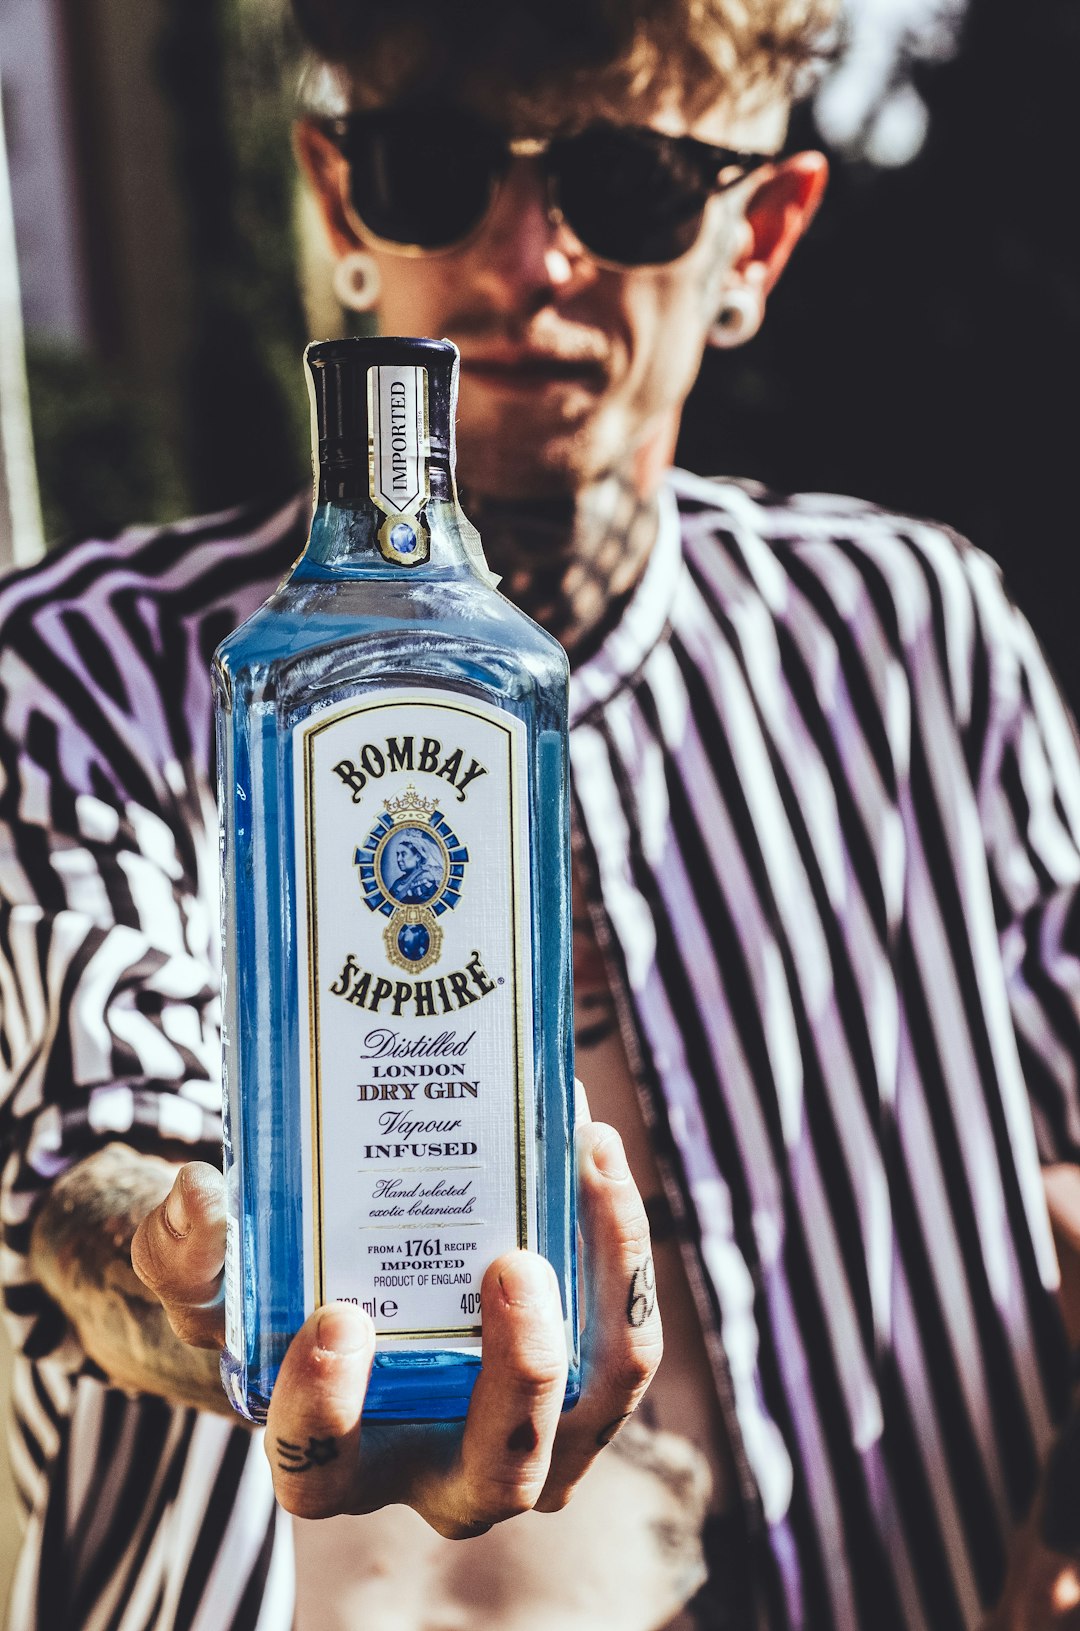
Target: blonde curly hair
517, 58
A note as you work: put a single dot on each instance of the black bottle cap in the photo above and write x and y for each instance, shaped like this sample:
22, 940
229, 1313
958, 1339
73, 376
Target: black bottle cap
339, 370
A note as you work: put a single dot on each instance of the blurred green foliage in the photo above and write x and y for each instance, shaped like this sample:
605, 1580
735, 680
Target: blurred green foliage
228, 69
104, 455
115, 447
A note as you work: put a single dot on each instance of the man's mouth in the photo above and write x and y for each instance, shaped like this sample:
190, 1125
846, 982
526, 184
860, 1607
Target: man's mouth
533, 370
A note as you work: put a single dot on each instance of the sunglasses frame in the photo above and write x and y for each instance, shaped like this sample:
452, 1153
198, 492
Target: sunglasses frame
715, 162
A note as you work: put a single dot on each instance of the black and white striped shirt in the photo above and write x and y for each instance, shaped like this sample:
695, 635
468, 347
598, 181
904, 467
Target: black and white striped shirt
828, 803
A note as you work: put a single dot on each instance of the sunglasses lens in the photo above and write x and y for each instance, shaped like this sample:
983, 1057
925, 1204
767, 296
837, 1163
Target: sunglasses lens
415, 182
632, 196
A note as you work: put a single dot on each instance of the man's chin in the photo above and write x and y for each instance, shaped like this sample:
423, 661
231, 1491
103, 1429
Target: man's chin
517, 462
524, 479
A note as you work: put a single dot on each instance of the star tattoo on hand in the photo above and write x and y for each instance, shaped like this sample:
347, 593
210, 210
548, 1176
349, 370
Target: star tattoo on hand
300, 1458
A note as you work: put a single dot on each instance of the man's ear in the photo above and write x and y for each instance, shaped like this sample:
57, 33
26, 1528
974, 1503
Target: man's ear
778, 212
326, 170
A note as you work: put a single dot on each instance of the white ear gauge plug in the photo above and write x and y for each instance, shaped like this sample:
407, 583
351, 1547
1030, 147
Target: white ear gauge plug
357, 282
738, 319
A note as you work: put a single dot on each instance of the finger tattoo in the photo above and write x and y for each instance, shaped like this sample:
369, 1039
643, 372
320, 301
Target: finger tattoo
524, 1439
642, 1297
302, 1457
606, 1434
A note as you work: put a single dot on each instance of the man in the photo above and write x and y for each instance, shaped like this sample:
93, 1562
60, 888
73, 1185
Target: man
827, 819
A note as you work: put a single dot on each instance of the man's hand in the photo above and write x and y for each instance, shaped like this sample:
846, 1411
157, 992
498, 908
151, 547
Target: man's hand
1042, 1590
516, 1451
81, 1252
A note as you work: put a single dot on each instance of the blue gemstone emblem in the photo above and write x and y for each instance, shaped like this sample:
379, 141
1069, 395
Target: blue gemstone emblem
412, 868
414, 942
403, 538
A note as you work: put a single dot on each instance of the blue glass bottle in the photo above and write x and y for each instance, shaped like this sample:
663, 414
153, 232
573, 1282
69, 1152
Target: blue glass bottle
398, 1068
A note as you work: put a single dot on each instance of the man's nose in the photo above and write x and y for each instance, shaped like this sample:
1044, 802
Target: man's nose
526, 256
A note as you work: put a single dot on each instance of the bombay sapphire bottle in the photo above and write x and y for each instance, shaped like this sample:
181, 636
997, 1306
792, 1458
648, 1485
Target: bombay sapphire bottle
396, 974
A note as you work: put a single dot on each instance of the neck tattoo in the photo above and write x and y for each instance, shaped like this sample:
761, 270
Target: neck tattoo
571, 562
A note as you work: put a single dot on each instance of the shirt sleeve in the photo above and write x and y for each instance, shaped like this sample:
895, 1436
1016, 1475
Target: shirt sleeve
109, 1010
1029, 800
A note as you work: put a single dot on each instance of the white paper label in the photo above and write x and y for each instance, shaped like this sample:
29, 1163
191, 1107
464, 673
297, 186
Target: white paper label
399, 447
415, 1004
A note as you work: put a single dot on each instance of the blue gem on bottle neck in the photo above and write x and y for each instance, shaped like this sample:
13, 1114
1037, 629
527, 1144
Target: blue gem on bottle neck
403, 538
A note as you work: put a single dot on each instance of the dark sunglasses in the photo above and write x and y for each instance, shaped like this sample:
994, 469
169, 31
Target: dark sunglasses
422, 183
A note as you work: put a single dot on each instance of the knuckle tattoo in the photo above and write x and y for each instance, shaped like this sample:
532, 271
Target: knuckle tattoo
317, 1452
470, 1531
606, 1434
524, 1439
641, 1299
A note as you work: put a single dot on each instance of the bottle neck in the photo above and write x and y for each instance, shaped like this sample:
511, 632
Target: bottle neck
345, 537
383, 416
348, 485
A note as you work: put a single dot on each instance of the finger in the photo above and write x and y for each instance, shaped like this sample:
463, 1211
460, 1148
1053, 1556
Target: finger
623, 1339
312, 1436
178, 1252
581, 1103
518, 1397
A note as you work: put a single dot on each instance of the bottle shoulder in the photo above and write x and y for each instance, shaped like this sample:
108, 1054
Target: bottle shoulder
435, 626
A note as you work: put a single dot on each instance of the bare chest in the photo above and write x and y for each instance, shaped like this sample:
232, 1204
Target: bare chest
682, 1397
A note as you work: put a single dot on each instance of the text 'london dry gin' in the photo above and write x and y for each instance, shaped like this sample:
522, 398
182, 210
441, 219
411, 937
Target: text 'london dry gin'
392, 761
